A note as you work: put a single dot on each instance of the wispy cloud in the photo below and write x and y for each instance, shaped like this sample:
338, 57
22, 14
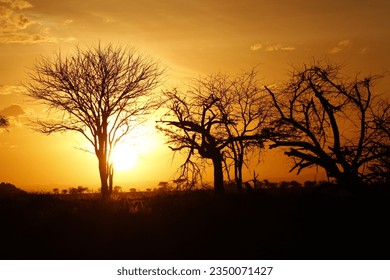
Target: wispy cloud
17, 27
279, 47
341, 45
8, 89
363, 50
17, 4
11, 18
68, 21
271, 48
256, 47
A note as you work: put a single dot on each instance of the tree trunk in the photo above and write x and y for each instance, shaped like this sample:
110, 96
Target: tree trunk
218, 173
238, 172
104, 176
350, 180
110, 178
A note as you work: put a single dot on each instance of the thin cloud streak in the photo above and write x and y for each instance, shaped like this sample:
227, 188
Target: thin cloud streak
279, 47
12, 89
341, 45
272, 48
256, 47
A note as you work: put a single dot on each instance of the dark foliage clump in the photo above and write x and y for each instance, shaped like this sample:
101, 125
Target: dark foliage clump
9, 190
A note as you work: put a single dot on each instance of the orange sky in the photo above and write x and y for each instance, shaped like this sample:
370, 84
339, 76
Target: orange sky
191, 39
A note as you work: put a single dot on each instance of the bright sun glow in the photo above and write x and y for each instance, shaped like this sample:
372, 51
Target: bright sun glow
124, 157
142, 141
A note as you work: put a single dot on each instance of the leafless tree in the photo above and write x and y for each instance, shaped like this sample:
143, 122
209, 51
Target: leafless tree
101, 92
380, 163
246, 111
196, 127
217, 118
325, 120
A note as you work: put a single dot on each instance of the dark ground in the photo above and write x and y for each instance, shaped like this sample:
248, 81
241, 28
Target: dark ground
271, 224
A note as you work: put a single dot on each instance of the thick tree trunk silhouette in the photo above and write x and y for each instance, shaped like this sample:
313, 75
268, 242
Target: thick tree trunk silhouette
103, 172
238, 158
218, 173
238, 171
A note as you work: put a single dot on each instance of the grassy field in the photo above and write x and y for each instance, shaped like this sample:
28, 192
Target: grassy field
304, 223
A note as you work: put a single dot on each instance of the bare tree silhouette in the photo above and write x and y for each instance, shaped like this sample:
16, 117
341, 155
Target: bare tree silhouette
101, 92
246, 111
328, 121
217, 118
380, 163
196, 128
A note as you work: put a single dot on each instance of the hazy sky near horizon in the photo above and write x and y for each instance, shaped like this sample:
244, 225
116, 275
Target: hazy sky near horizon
190, 39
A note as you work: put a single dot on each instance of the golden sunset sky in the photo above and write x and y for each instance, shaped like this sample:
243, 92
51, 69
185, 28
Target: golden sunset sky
190, 39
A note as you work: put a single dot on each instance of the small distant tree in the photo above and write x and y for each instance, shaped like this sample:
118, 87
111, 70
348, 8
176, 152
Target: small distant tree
3, 122
56, 191
117, 189
81, 189
163, 186
73, 191
328, 121
64, 191
101, 92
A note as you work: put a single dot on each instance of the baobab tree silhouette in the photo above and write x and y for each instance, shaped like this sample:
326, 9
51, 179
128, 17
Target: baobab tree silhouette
333, 122
219, 118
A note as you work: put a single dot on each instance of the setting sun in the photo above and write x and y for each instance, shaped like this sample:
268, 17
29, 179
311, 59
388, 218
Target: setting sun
124, 157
